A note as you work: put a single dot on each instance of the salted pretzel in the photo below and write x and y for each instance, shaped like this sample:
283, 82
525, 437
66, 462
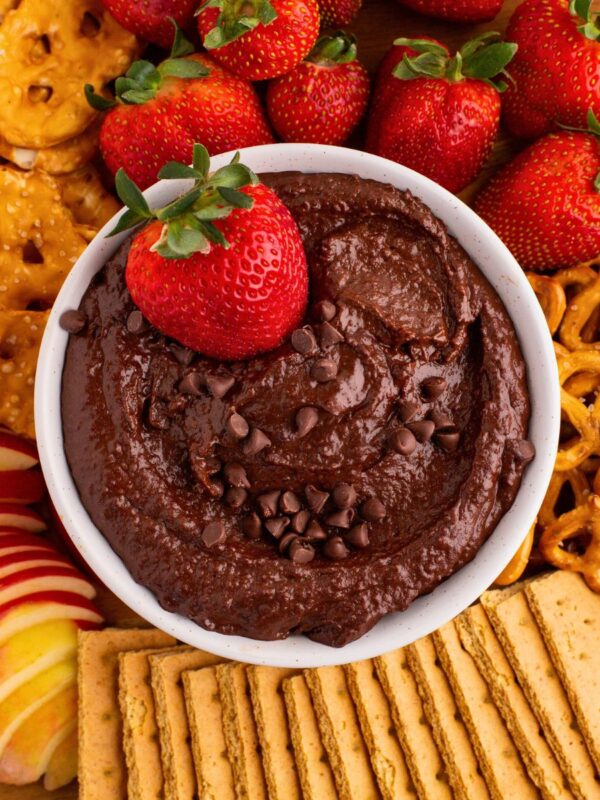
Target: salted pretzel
6, 6
49, 51
551, 297
20, 338
88, 201
59, 159
40, 239
580, 488
584, 417
584, 520
515, 567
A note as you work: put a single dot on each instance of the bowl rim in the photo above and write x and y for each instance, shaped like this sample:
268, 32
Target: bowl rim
453, 595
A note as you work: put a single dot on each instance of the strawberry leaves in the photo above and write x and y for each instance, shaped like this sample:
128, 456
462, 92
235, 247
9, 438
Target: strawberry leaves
236, 19
337, 48
583, 10
188, 220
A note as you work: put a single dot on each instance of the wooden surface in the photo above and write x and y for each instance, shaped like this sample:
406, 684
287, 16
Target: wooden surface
378, 24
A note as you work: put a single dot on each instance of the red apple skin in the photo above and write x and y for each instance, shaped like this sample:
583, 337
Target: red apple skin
16, 453
17, 537
63, 598
18, 516
22, 486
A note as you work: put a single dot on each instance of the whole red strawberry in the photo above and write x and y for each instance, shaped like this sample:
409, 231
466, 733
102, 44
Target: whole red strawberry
222, 268
259, 39
338, 12
456, 10
439, 114
556, 72
545, 204
149, 19
323, 98
161, 111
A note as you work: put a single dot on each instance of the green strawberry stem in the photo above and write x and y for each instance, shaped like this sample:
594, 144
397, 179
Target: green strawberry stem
483, 57
583, 10
335, 48
143, 80
593, 127
188, 225
237, 17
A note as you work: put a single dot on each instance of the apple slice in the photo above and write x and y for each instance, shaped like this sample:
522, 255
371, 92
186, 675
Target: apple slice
62, 767
44, 579
25, 612
16, 540
30, 559
26, 757
18, 516
22, 486
16, 453
26, 700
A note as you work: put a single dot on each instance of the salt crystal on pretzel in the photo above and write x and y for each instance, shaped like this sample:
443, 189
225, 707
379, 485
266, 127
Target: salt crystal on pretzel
59, 159
49, 51
86, 198
39, 240
20, 337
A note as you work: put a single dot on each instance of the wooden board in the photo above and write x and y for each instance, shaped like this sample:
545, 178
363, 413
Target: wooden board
378, 24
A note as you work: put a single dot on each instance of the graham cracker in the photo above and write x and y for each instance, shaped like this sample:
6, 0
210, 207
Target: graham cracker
203, 702
568, 615
498, 757
341, 734
374, 715
167, 686
102, 769
312, 763
482, 644
522, 641
140, 731
273, 731
412, 727
240, 732
448, 729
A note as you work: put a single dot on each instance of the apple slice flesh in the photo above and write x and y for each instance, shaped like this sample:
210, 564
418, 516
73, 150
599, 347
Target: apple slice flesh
44, 579
16, 453
30, 559
62, 767
22, 486
24, 613
18, 516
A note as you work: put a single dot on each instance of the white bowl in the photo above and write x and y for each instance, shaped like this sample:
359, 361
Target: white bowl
453, 595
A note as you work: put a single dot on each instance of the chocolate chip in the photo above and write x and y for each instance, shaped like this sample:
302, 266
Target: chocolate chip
325, 310
135, 321
403, 441
219, 385
277, 525
256, 442
324, 370
340, 519
235, 475
373, 510
267, 503
213, 533
303, 340
315, 532
315, 498
237, 426
289, 503
286, 541
72, 321
300, 521
525, 450
191, 384
407, 411
358, 536
423, 429
330, 335
306, 419
448, 440
441, 421
216, 488
301, 552
183, 354
252, 526
335, 548
344, 495
433, 387
236, 497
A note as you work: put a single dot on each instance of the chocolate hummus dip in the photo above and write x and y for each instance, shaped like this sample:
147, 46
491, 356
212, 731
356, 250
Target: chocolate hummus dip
322, 485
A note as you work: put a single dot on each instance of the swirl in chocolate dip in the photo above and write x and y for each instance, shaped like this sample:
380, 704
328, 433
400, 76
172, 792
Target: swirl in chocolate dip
322, 485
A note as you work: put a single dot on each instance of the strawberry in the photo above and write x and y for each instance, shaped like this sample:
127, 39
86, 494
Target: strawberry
556, 72
222, 268
323, 98
161, 111
338, 12
258, 39
456, 10
149, 19
545, 203
436, 113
